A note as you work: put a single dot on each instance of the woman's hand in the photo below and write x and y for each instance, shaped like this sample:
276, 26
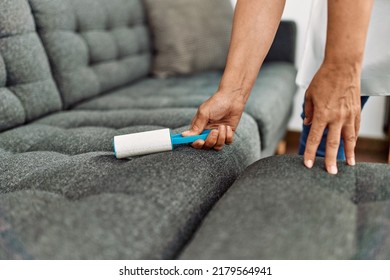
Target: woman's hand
333, 101
221, 113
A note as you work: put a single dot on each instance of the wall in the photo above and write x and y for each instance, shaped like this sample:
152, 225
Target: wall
373, 113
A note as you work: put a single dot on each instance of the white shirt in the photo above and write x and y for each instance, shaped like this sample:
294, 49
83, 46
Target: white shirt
376, 66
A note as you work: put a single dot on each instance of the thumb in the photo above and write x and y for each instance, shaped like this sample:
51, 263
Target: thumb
308, 109
198, 124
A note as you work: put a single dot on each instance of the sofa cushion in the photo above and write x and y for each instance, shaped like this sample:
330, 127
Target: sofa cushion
93, 45
65, 196
269, 104
189, 35
278, 209
27, 90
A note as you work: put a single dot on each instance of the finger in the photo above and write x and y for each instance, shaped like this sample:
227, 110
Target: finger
221, 138
211, 140
349, 137
198, 144
198, 124
357, 126
332, 148
229, 135
312, 142
309, 108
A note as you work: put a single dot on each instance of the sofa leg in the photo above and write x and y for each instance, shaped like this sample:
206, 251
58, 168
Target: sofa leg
282, 147
388, 137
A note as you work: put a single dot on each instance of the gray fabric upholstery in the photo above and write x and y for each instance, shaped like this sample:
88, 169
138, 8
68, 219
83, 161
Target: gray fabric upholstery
64, 195
270, 102
27, 90
278, 209
189, 35
93, 45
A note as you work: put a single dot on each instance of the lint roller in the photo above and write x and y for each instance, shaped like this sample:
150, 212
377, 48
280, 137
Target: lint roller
150, 142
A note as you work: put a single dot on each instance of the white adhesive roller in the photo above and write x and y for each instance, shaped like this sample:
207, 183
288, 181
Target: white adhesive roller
150, 142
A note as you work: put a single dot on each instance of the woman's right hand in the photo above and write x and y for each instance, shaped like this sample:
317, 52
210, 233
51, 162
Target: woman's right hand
221, 113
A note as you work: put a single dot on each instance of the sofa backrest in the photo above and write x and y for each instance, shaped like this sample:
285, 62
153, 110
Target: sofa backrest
93, 45
27, 89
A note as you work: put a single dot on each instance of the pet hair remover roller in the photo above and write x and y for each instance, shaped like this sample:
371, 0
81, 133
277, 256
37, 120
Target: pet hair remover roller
149, 142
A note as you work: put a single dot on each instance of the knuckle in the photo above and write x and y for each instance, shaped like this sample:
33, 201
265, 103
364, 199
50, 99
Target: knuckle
333, 144
195, 127
313, 139
350, 139
321, 119
339, 116
221, 138
202, 111
210, 143
357, 119
213, 135
357, 110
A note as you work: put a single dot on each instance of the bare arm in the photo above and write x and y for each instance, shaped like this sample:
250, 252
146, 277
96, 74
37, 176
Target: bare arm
254, 26
333, 97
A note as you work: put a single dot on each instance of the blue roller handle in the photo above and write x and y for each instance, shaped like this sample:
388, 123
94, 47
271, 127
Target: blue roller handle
178, 139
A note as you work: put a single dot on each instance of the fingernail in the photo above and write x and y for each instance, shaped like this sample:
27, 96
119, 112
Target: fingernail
309, 163
352, 161
186, 132
333, 169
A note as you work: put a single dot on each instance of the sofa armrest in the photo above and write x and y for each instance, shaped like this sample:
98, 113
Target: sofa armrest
283, 47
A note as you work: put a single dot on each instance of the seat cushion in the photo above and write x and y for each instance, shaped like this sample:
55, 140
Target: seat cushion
278, 209
93, 45
63, 195
269, 104
27, 89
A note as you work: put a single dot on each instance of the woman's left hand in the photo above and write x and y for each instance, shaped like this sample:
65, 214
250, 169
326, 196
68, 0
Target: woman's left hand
333, 101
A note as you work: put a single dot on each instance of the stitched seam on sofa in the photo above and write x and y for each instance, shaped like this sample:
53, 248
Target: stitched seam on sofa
29, 82
91, 66
111, 128
24, 109
17, 34
65, 195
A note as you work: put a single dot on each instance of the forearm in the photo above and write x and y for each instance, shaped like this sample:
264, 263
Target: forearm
348, 22
254, 28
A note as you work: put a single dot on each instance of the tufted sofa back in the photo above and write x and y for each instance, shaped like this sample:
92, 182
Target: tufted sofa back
27, 90
93, 45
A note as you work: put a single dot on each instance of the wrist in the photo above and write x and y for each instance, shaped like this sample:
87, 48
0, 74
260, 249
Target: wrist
236, 94
235, 88
343, 66
351, 63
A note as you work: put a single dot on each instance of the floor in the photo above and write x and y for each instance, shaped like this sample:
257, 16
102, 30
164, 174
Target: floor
367, 150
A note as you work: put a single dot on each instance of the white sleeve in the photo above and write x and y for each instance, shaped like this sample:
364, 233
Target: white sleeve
376, 66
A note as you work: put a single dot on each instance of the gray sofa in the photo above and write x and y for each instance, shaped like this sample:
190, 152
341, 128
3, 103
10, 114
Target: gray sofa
75, 73
278, 209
